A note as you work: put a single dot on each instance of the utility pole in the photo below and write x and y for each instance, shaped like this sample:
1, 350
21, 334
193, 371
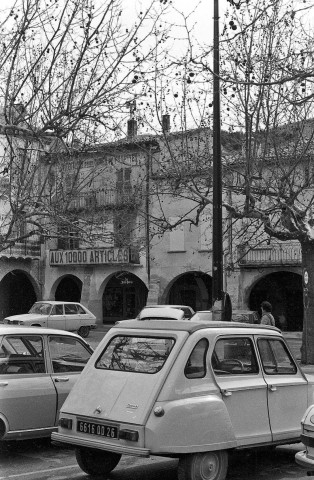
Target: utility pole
217, 290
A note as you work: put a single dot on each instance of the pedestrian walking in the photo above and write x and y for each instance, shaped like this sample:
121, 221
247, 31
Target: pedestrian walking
267, 318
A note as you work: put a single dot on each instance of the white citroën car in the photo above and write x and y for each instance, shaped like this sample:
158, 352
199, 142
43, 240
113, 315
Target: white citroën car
189, 390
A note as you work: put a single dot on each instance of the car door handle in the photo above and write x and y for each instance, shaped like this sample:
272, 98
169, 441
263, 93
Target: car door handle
3, 384
226, 393
61, 379
272, 388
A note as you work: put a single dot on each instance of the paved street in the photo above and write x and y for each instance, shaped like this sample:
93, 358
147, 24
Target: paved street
41, 460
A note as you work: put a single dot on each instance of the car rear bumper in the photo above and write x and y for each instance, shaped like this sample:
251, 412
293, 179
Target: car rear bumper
99, 445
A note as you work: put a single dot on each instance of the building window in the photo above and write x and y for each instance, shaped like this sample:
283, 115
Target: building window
67, 238
124, 224
205, 229
176, 236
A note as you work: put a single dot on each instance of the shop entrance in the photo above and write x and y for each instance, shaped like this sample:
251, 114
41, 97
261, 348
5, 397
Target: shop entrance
69, 289
124, 296
17, 294
193, 289
285, 292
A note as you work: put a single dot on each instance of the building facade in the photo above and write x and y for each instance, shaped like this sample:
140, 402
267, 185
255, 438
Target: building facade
137, 250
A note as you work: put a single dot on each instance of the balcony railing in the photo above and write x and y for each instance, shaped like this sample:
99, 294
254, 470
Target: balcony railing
22, 249
103, 198
270, 255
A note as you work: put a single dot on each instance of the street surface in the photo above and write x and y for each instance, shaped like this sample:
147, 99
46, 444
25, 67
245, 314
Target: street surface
41, 460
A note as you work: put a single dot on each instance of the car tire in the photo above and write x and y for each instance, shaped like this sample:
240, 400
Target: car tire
203, 466
83, 331
96, 462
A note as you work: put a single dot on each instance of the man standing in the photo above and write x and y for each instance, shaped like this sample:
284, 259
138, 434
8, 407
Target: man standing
267, 318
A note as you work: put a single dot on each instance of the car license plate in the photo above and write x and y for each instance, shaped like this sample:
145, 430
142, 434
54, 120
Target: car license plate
97, 429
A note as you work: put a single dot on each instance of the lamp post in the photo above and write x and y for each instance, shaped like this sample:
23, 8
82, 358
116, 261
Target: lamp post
221, 303
217, 259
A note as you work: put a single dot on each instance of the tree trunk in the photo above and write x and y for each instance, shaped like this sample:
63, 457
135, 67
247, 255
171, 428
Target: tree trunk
307, 349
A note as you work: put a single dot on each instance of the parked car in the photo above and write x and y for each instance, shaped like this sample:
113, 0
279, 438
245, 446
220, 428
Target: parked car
305, 458
70, 316
184, 389
165, 313
240, 316
38, 368
202, 316
188, 311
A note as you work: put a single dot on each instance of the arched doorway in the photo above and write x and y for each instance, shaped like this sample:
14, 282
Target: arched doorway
193, 289
17, 294
285, 292
69, 289
124, 296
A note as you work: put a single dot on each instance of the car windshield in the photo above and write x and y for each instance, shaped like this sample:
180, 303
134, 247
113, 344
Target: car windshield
135, 354
41, 308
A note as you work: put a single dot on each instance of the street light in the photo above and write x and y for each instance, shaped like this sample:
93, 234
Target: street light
221, 303
217, 289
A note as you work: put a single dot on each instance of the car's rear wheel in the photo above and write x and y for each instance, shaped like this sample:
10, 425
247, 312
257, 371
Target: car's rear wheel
96, 462
203, 466
83, 331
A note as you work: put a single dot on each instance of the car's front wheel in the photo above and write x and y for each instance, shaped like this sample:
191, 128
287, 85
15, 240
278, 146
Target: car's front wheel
96, 462
83, 331
203, 466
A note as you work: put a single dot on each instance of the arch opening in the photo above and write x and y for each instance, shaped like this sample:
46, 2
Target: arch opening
69, 289
124, 296
17, 294
285, 293
193, 289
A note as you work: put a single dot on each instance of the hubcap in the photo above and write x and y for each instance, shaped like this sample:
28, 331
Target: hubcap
209, 467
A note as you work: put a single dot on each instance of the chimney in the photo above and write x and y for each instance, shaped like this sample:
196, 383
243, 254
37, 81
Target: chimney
166, 123
132, 127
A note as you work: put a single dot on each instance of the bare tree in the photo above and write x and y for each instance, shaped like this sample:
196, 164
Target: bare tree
267, 117
68, 71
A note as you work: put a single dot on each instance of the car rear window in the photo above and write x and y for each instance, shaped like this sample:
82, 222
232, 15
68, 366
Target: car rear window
135, 354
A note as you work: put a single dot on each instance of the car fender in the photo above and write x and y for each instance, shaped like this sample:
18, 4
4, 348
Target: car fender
189, 425
4, 426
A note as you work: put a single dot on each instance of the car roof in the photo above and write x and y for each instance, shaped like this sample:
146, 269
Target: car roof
57, 302
190, 327
203, 311
13, 329
162, 313
167, 306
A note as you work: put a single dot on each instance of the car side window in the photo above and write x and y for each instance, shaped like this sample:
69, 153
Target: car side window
22, 355
70, 309
81, 310
275, 357
57, 310
67, 354
196, 364
234, 356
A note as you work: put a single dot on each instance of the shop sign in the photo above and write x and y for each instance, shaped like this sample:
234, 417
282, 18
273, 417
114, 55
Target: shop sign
90, 256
